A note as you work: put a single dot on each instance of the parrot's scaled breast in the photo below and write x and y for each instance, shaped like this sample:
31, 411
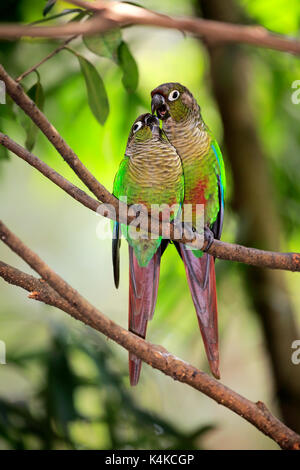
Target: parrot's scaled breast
150, 174
201, 167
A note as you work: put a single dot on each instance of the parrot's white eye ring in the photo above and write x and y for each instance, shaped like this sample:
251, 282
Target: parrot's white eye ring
137, 126
174, 95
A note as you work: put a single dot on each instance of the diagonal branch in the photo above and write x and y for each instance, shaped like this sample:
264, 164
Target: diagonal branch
112, 14
53, 290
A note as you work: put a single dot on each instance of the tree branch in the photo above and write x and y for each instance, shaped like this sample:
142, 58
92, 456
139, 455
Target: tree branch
53, 290
109, 15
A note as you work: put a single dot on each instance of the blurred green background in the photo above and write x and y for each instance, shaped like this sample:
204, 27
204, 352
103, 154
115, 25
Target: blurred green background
65, 386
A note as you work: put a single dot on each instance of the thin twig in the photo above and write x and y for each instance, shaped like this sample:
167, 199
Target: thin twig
45, 59
155, 356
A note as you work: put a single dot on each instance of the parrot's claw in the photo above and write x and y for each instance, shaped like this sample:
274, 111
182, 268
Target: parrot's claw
208, 237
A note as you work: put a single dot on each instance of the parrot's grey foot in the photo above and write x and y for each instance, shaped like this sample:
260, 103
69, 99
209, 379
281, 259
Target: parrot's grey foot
208, 237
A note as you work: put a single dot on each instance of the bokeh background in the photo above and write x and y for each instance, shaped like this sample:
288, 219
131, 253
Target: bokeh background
65, 386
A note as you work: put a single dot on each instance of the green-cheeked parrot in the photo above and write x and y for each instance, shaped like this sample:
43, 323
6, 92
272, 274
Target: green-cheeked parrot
204, 183
149, 174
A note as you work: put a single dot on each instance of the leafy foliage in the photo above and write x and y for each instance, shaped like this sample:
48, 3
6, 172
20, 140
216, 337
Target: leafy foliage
51, 415
97, 95
111, 46
36, 93
129, 68
105, 45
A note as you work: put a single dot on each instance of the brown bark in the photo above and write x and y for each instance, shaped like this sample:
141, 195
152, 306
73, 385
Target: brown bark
254, 201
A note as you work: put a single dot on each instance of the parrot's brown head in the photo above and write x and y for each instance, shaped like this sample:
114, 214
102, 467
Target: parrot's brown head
144, 128
173, 100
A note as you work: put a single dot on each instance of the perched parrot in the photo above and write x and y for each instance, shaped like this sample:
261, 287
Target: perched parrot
204, 179
150, 174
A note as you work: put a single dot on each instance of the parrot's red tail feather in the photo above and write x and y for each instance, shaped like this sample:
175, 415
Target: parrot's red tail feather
202, 282
143, 287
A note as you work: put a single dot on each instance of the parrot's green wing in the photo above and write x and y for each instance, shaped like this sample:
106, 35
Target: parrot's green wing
118, 189
220, 172
218, 209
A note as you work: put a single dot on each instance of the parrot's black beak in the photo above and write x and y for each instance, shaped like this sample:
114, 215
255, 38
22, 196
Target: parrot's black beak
158, 105
152, 121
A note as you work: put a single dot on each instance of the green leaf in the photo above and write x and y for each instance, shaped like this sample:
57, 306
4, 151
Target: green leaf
97, 96
49, 5
129, 67
36, 93
105, 45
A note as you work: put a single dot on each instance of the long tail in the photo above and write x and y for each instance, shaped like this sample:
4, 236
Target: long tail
143, 286
202, 282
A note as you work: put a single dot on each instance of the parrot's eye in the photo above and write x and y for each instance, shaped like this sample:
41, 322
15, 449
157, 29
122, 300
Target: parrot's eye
174, 95
137, 126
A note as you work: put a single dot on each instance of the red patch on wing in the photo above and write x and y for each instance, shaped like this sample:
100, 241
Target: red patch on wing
197, 194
